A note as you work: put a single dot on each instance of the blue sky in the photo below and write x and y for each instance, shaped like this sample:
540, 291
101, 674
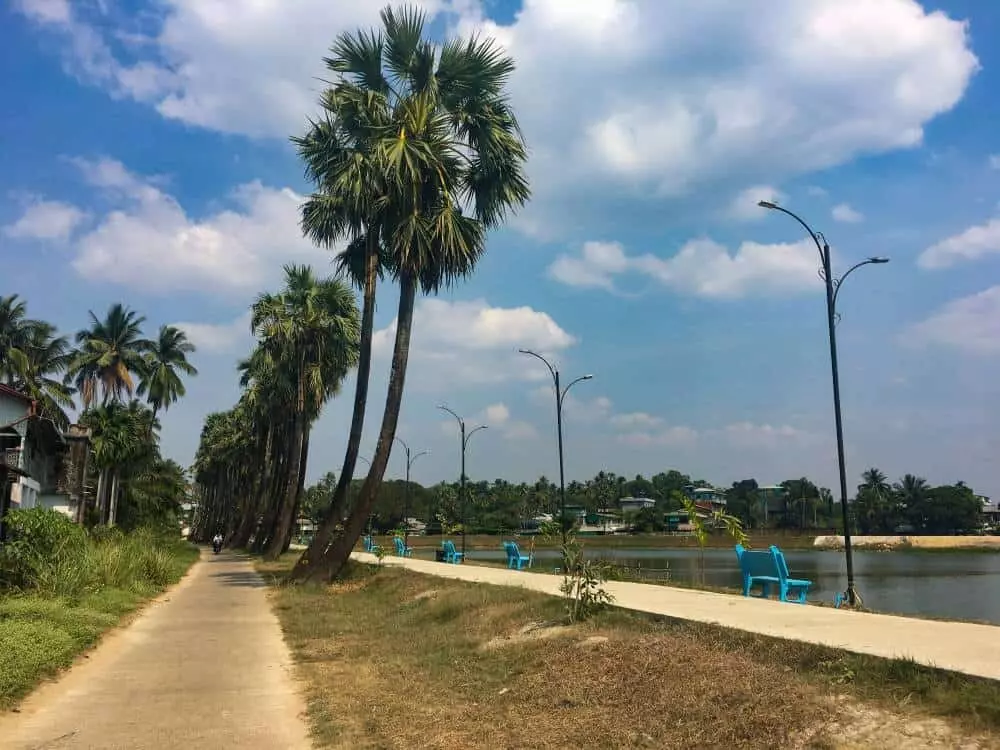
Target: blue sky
145, 159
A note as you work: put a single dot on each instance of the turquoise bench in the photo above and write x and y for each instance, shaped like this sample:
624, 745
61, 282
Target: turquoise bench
370, 546
515, 560
451, 555
768, 569
401, 549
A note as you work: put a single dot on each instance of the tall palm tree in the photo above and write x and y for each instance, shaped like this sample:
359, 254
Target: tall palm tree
111, 355
15, 330
43, 375
311, 330
165, 361
444, 140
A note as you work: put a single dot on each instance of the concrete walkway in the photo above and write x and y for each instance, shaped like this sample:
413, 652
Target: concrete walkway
203, 666
961, 647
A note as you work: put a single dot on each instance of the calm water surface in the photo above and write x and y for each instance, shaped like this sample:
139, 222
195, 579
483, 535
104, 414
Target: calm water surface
962, 586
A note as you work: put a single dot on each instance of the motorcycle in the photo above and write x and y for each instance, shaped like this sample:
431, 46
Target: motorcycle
216, 546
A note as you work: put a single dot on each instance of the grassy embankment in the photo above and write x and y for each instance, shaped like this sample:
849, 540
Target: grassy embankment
59, 597
397, 659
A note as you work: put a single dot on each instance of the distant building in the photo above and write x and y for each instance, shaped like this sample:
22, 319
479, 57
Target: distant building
635, 504
707, 498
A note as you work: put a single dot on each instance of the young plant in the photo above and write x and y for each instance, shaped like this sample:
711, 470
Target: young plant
583, 579
732, 525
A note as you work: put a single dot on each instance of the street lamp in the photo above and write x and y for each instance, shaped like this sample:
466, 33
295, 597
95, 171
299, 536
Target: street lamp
560, 399
832, 291
465, 442
410, 459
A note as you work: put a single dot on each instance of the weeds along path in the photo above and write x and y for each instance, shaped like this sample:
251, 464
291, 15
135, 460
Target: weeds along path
967, 648
205, 665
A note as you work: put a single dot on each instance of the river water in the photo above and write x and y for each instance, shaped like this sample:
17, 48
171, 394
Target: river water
951, 585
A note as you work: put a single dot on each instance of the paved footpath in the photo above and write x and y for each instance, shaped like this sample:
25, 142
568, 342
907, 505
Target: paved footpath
203, 666
961, 647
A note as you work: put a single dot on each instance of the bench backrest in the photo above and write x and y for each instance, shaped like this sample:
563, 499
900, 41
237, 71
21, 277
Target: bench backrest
448, 546
779, 560
756, 562
368, 543
399, 543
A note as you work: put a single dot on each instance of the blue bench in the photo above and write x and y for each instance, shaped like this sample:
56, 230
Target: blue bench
768, 569
451, 555
401, 549
515, 560
370, 546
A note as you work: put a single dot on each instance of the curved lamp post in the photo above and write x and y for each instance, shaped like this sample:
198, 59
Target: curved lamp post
832, 291
410, 460
560, 398
465, 442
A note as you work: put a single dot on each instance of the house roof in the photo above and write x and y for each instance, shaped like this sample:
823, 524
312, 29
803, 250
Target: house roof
6, 390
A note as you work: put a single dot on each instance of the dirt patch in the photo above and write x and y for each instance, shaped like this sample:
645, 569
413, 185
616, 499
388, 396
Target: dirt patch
429, 594
861, 726
533, 631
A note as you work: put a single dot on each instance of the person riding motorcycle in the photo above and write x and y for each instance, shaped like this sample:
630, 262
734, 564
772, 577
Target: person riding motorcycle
217, 543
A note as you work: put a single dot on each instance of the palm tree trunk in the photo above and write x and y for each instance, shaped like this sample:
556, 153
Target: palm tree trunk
113, 499
340, 551
301, 488
255, 499
286, 510
335, 512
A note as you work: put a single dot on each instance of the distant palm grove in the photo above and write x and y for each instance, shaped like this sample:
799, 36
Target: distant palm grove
119, 381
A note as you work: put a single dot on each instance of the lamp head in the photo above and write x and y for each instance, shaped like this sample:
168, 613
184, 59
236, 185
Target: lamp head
878, 259
767, 204
587, 377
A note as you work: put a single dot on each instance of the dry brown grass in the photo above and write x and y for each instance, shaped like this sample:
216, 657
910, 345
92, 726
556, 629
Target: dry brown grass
399, 660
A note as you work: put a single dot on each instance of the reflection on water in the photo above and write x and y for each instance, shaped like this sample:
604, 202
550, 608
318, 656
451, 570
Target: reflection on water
963, 586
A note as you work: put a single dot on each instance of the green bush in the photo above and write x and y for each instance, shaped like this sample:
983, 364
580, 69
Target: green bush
49, 554
43, 547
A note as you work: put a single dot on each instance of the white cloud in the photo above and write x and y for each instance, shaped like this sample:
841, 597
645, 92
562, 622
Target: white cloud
846, 215
673, 436
972, 244
763, 436
219, 338
744, 206
701, 268
472, 343
994, 161
46, 220
148, 241
596, 267
970, 324
636, 419
497, 414
668, 95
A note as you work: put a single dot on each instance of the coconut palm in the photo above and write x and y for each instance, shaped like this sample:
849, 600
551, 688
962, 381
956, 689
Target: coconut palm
47, 357
111, 355
15, 330
446, 165
166, 359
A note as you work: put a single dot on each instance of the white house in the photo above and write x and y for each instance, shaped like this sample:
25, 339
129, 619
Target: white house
41, 465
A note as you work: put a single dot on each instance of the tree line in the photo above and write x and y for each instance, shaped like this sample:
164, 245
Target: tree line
122, 380
910, 505
414, 156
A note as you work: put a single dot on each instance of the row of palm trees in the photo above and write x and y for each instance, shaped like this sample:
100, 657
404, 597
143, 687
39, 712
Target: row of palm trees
415, 156
251, 461
111, 367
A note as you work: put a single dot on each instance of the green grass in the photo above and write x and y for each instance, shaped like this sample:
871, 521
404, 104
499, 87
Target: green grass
394, 659
42, 632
